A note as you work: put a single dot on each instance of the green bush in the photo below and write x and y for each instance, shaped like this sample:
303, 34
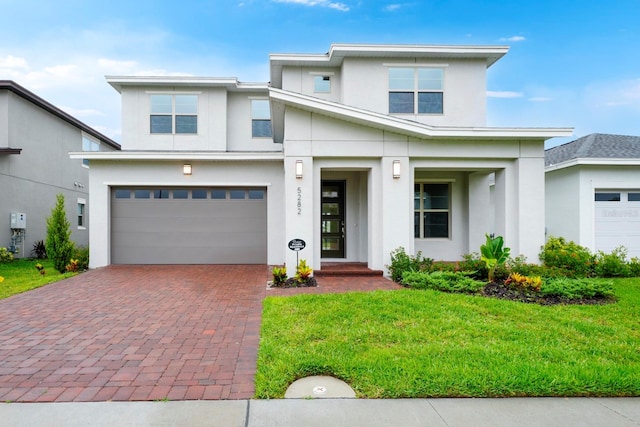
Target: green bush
634, 267
473, 263
519, 265
613, 264
576, 260
82, 258
59, 246
402, 262
446, 281
576, 288
5, 256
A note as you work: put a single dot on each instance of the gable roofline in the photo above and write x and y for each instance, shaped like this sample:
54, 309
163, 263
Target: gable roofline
22, 92
337, 52
594, 149
230, 83
280, 98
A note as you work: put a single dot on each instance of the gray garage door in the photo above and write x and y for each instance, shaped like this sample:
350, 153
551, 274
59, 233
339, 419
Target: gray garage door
189, 226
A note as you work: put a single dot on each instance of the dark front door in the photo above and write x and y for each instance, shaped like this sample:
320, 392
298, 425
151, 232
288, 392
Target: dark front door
333, 219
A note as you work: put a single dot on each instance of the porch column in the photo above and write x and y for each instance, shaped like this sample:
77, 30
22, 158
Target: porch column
397, 209
480, 215
299, 210
530, 210
506, 207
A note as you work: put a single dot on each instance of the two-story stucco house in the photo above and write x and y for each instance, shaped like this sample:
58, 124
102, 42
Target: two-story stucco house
35, 140
357, 152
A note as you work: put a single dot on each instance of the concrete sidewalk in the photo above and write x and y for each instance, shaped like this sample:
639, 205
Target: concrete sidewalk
521, 412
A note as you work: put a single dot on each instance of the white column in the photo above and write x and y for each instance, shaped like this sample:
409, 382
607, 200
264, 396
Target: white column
531, 210
299, 211
480, 216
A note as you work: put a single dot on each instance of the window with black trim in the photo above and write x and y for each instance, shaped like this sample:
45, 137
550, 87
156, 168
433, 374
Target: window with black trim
432, 210
416, 90
174, 114
81, 213
607, 197
260, 118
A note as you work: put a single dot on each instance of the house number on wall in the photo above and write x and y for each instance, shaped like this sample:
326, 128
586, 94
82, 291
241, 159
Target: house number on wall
299, 200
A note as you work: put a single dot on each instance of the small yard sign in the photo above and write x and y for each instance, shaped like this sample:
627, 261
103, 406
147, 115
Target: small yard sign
297, 244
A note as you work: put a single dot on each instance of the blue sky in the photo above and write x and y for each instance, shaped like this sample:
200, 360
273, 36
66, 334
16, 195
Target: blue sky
570, 64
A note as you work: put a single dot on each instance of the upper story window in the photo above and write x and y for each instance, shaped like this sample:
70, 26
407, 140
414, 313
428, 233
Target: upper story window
322, 84
416, 90
260, 118
89, 145
174, 114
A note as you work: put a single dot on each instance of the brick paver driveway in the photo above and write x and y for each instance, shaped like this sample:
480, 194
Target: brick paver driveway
141, 333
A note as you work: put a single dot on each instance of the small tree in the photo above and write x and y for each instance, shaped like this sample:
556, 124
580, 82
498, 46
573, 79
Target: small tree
59, 245
494, 254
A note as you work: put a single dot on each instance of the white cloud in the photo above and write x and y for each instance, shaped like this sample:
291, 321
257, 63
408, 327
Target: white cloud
540, 99
13, 62
321, 3
114, 66
504, 94
392, 7
625, 93
513, 39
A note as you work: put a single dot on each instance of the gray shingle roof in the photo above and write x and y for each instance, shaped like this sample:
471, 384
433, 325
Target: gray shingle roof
595, 145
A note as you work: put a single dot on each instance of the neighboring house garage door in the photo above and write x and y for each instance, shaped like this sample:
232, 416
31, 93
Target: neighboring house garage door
188, 226
617, 220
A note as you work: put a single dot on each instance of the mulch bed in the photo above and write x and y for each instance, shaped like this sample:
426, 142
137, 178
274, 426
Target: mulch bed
503, 291
293, 283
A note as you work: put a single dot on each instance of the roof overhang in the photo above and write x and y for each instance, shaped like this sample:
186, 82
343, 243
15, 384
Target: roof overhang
592, 162
177, 155
338, 52
230, 83
10, 151
281, 98
12, 86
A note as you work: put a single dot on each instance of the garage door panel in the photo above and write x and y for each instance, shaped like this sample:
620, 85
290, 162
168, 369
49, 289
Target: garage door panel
617, 223
188, 231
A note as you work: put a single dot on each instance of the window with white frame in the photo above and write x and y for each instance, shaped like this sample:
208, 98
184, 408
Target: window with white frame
416, 90
89, 144
81, 213
432, 209
174, 114
322, 84
260, 118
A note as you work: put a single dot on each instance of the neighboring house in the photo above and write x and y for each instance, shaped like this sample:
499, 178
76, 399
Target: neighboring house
357, 152
593, 192
35, 140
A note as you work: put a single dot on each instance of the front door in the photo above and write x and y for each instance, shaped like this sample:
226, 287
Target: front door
333, 219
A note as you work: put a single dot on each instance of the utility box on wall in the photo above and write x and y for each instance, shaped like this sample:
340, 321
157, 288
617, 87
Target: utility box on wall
18, 221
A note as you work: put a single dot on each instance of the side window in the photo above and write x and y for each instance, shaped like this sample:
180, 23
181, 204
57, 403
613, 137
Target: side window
89, 144
81, 214
260, 118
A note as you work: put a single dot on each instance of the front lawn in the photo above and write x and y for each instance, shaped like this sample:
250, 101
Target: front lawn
410, 343
21, 275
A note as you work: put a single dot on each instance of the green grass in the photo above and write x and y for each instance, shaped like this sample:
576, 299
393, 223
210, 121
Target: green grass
410, 343
21, 276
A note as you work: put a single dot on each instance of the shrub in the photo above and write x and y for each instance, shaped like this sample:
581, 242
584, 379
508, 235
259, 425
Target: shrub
5, 256
576, 288
634, 267
576, 260
72, 267
473, 263
303, 272
279, 275
493, 254
401, 262
82, 256
613, 264
446, 281
59, 245
39, 250
525, 283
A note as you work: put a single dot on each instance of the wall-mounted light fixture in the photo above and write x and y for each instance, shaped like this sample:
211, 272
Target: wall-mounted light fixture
186, 169
396, 169
299, 169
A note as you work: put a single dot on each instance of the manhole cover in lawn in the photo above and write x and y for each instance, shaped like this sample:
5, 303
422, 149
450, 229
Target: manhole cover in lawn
319, 387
